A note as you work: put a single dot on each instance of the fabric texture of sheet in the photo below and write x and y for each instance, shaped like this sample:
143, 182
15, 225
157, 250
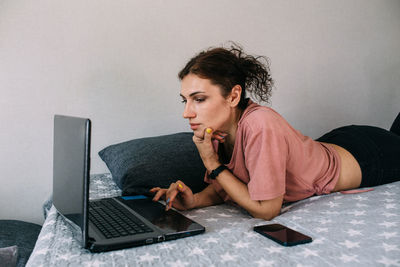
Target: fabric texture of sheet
347, 230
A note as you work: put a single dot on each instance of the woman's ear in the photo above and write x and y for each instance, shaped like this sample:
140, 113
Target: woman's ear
234, 96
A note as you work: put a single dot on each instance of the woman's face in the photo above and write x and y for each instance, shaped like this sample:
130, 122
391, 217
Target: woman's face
205, 107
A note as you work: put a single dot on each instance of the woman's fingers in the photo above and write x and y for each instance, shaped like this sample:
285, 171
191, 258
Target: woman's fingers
154, 189
170, 195
173, 191
208, 135
220, 136
170, 200
159, 193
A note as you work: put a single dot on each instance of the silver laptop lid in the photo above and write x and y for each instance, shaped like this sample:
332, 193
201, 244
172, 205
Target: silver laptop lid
71, 170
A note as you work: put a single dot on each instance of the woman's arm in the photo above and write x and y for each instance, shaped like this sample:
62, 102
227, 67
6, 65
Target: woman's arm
207, 197
181, 197
238, 191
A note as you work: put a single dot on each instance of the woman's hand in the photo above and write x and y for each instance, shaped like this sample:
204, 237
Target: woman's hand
220, 136
206, 149
178, 195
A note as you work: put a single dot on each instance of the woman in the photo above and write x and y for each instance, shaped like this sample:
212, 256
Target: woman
253, 156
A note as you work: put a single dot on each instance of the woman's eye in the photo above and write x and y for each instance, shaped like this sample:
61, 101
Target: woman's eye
184, 101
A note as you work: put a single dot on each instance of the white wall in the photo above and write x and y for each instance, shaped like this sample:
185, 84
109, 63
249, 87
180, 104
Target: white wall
334, 63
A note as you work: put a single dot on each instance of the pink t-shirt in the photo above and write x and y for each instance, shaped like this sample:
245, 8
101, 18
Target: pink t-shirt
274, 159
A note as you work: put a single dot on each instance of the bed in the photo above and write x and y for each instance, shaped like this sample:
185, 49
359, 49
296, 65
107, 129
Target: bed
347, 230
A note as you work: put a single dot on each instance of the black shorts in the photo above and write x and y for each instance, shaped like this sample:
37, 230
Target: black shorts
376, 150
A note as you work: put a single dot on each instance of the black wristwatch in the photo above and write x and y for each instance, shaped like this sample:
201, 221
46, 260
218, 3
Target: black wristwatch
214, 173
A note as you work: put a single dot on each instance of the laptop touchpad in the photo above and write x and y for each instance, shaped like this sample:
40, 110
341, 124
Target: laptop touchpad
170, 221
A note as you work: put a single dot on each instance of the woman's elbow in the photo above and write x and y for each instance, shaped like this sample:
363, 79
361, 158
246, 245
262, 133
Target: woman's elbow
265, 215
267, 209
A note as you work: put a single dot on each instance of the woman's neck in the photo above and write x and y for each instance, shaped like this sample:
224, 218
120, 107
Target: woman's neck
229, 143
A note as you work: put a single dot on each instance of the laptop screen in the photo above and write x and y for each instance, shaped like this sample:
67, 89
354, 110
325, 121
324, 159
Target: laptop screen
71, 167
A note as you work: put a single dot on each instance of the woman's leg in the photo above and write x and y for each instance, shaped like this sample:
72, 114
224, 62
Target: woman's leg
383, 165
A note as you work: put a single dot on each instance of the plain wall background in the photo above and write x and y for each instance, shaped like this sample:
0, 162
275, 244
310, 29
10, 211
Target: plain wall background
333, 62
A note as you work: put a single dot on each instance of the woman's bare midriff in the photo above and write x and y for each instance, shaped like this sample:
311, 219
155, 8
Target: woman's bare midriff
350, 172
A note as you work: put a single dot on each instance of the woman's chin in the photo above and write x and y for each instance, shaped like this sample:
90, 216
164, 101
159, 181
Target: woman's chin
198, 134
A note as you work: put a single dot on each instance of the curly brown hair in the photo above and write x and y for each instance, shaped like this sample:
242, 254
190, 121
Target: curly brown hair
227, 67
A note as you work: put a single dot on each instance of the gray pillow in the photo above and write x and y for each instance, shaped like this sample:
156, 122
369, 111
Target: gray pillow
17, 240
9, 256
140, 164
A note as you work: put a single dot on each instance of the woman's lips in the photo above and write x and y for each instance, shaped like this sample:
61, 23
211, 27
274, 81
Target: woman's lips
194, 126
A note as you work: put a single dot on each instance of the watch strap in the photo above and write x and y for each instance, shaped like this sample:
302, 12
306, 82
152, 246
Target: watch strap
214, 173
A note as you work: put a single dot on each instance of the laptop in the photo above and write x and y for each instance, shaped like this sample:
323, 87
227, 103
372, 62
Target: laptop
108, 223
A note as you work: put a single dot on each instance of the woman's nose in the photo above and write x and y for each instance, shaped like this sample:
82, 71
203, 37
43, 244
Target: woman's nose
187, 112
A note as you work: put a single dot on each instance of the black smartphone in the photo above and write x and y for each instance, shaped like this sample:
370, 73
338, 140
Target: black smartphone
282, 234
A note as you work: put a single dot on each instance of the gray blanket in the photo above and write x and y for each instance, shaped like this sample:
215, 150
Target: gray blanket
347, 230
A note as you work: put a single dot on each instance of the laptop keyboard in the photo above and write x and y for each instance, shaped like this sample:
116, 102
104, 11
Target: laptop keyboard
113, 220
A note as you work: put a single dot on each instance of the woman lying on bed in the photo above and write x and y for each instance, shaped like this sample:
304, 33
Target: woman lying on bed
254, 157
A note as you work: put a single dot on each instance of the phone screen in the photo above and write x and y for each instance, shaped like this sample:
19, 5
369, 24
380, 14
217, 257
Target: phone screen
282, 234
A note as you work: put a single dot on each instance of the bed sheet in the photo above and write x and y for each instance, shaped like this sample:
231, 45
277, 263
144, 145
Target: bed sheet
347, 230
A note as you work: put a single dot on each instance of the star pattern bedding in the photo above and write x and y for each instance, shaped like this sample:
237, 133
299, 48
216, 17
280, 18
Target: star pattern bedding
347, 230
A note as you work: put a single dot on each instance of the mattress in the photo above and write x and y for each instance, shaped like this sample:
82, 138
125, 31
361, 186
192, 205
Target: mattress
347, 230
